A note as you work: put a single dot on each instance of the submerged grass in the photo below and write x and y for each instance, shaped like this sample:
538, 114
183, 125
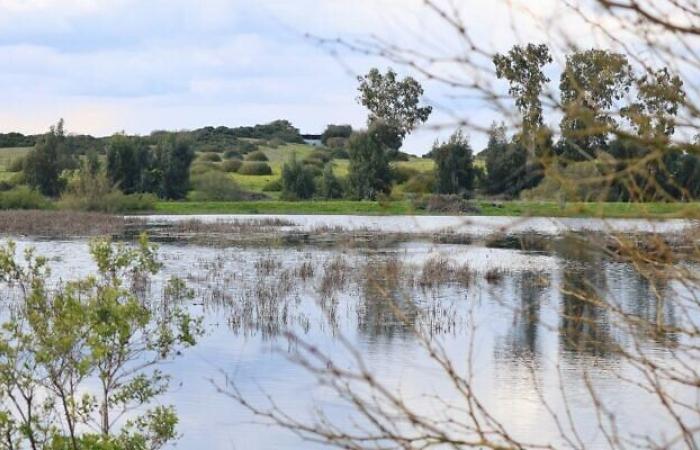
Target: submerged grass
63, 223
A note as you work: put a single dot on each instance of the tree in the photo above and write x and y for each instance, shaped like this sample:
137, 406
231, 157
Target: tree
508, 170
44, 164
60, 344
522, 67
297, 181
454, 165
330, 187
173, 157
128, 160
368, 174
592, 81
394, 102
336, 131
659, 96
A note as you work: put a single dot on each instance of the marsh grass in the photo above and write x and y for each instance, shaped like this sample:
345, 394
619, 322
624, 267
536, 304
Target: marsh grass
63, 223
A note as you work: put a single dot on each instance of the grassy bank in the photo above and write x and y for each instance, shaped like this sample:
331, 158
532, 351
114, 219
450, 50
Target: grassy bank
512, 208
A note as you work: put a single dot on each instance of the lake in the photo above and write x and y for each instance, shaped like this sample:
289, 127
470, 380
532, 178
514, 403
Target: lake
509, 314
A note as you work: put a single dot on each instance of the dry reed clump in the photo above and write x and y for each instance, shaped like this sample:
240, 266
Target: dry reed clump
263, 225
267, 265
336, 274
305, 271
494, 275
439, 270
63, 223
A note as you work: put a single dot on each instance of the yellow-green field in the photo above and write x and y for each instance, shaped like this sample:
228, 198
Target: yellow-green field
279, 155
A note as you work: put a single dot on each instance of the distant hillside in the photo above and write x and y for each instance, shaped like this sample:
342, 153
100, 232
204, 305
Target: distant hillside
203, 139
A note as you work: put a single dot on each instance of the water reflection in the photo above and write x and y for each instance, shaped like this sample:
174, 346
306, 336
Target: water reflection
543, 306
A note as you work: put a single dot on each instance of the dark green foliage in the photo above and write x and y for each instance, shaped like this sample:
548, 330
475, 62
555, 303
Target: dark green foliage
297, 181
454, 164
43, 164
173, 156
128, 160
369, 173
257, 155
245, 147
215, 186
401, 174
340, 153
273, 186
342, 132
232, 154
509, 169
329, 186
255, 168
321, 155
211, 157
17, 140
231, 165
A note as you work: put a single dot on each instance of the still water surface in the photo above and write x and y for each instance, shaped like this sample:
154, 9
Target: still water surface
523, 331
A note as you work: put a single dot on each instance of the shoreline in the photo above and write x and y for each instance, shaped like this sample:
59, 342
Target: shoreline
649, 211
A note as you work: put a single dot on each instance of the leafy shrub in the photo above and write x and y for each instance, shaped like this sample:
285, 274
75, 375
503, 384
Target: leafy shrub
273, 186
335, 132
321, 155
275, 142
215, 186
204, 167
255, 168
340, 153
94, 192
22, 197
297, 181
420, 183
247, 147
313, 162
231, 165
212, 157
330, 186
401, 174
336, 142
232, 154
16, 165
401, 156
257, 155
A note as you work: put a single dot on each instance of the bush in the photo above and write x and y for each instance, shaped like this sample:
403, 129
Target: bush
401, 174
247, 147
320, 155
297, 181
215, 186
211, 157
16, 165
401, 156
420, 183
340, 153
336, 143
255, 168
232, 154
275, 142
231, 165
204, 167
273, 186
257, 155
22, 197
330, 186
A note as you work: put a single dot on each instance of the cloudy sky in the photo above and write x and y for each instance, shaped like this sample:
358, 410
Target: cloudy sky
140, 65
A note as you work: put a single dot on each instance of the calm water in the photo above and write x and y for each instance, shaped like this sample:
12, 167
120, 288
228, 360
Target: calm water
525, 334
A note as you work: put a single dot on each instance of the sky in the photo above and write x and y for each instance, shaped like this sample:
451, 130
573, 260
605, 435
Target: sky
138, 65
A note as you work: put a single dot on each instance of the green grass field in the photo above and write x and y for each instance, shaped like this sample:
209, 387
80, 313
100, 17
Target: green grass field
512, 208
7, 155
